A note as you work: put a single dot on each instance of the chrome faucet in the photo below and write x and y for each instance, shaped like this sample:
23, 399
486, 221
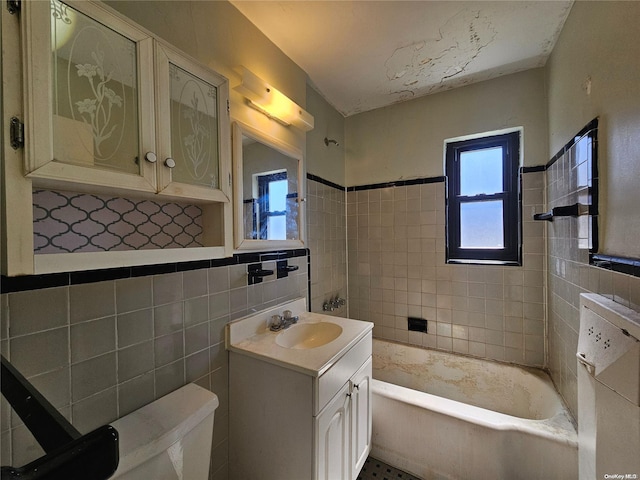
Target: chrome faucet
333, 303
280, 322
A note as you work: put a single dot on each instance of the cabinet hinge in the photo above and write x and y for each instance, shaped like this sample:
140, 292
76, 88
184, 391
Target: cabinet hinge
229, 179
228, 107
16, 133
14, 6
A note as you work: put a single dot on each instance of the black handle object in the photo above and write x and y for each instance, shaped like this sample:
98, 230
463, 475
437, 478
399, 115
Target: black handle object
544, 216
260, 273
48, 426
289, 268
69, 455
284, 268
94, 455
574, 210
567, 211
255, 272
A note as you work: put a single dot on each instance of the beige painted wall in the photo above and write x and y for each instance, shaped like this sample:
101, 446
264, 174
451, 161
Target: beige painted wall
219, 36
325, 161
594, 71
406, 140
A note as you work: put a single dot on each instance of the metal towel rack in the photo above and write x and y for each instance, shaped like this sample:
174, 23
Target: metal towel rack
574, 210
69, 455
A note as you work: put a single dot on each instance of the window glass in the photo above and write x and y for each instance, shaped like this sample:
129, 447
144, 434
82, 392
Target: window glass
277, 227
481, 225
278, 195
481, 171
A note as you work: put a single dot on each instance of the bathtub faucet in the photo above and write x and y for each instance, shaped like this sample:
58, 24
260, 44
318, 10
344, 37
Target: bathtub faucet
280, 322
332, 304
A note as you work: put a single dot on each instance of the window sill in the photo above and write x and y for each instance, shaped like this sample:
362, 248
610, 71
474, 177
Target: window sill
503, 263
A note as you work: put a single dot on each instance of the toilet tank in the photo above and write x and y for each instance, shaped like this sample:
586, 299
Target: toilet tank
169, 439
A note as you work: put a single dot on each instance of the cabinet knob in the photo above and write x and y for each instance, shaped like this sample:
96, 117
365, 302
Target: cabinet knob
348, 395
150, 157
356, 386
170, 162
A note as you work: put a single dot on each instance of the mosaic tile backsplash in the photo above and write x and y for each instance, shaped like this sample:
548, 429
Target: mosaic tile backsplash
65, 222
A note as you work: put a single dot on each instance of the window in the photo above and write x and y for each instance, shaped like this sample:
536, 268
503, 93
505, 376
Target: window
272, 204
483, 211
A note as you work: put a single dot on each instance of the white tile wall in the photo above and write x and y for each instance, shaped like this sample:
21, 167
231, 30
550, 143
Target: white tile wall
396, 248
101, 350
570, 274
327, 242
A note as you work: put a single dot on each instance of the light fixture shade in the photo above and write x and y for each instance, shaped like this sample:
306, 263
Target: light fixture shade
272, 102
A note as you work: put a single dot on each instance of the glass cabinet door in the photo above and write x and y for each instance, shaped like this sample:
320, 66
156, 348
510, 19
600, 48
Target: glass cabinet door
192, 121
92, 124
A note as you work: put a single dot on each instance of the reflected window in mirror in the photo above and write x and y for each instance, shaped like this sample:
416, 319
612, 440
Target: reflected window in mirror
272, 206
268, 180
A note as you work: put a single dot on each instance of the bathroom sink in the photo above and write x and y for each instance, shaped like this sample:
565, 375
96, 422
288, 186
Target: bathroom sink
308, 335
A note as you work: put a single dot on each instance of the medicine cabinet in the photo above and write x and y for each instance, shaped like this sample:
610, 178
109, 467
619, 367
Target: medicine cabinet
268, 191
111, 111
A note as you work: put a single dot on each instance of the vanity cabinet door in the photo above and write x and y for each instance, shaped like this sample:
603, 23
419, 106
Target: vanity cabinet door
361, 410
333, 426
193, 128
89, 107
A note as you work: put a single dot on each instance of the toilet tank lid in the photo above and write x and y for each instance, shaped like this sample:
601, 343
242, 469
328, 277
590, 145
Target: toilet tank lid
151, 429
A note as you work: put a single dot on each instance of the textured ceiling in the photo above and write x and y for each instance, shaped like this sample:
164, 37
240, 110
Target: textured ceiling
362, 55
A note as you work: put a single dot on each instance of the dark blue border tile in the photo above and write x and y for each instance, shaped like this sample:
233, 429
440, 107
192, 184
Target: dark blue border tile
329, 183
35, 282
160, 269
92, 276
535, 168
397, 183
629, 266
592, 125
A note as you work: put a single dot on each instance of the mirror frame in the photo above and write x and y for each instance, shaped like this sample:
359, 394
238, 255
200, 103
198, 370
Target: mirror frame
238, 130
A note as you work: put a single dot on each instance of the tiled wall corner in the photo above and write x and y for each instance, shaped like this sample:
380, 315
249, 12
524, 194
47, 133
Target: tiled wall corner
327, 242
105, 349
396, 251
569, 275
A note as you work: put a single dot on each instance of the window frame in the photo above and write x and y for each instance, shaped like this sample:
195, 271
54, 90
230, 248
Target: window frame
511, 253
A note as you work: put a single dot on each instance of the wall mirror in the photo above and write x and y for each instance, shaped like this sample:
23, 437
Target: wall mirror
268, 190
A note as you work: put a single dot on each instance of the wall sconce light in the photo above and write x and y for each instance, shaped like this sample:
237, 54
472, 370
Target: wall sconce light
272, 102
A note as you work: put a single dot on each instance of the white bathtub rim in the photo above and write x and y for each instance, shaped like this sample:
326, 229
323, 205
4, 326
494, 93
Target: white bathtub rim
558, 428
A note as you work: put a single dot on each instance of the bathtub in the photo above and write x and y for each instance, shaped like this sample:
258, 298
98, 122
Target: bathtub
439, 415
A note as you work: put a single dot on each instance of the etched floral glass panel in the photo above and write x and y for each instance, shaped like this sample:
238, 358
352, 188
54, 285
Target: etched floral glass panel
194, 129
95, 94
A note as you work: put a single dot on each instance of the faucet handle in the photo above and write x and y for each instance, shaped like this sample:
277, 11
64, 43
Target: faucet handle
288, 317
276, 323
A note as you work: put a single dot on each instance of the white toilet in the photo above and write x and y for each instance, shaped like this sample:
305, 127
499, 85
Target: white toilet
169, 439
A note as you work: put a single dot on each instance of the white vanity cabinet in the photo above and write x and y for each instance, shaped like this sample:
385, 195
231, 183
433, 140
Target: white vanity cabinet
287, 424
343, 429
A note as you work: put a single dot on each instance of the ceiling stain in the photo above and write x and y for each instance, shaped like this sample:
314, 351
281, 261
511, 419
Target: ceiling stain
421, 67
